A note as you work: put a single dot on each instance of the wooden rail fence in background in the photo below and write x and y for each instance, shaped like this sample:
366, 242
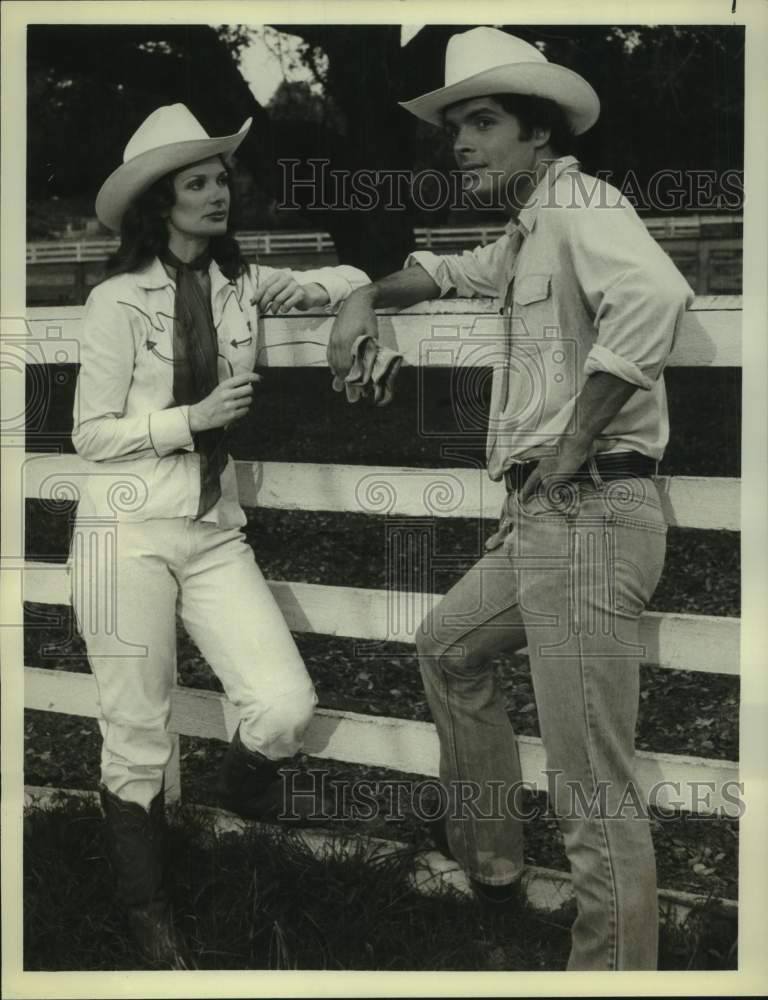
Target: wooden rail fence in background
281, 242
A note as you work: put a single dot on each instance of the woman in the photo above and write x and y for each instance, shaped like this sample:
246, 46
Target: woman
167, 357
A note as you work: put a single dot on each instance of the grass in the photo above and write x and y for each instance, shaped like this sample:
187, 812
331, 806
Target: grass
263, 900
694, 854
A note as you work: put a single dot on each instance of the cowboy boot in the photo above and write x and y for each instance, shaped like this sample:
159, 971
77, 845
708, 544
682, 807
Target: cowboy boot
251, 785
136, 844
492, 896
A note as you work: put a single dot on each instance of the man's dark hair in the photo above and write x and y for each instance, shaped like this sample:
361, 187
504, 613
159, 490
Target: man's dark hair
533, 111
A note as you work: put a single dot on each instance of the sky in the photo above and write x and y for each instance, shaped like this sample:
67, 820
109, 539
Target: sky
269, 58
263, 69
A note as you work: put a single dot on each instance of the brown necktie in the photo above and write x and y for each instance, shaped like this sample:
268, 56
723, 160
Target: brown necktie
195, 370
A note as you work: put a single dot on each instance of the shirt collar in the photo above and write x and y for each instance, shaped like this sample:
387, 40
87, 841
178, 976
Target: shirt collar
155, 276
549, 172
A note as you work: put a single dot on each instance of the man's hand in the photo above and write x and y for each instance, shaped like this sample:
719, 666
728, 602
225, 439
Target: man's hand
281, 292
601, 398
551, 470
355, 318
229, 401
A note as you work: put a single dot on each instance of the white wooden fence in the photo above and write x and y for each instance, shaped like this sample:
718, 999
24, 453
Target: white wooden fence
711, 336
277, 242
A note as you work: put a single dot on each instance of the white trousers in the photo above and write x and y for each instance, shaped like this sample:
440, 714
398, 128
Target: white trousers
129, 582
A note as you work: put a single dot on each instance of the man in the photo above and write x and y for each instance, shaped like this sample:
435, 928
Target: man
578, 423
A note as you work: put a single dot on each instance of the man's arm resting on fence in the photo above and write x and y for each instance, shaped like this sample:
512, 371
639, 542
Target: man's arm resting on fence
601, 398
357, 317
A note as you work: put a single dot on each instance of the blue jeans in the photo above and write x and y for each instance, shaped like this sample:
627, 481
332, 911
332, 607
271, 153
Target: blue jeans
571, 573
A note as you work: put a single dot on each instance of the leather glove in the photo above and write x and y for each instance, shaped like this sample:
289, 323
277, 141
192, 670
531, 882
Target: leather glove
373, 372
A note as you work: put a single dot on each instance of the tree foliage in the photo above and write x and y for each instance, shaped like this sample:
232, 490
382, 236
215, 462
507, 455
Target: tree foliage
91, 86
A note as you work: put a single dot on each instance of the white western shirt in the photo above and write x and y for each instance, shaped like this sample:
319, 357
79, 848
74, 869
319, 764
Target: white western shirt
143, 463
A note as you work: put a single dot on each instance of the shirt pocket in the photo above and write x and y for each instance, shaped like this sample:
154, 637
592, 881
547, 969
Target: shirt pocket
533, 310
532, 288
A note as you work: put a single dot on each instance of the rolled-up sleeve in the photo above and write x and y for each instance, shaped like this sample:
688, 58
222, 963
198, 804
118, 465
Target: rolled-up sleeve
101, 430
635, 292
339, 282
473, 274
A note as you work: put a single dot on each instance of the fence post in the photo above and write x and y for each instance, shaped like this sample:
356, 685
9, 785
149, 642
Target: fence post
704, 270
173, 773
79, 289
173, 767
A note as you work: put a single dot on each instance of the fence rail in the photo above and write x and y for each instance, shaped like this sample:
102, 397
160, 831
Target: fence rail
433, 334
689, 501
447, 333
400, 744
275, 241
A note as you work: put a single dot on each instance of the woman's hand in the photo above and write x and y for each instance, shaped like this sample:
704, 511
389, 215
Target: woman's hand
281, 292
229, 401
355, 318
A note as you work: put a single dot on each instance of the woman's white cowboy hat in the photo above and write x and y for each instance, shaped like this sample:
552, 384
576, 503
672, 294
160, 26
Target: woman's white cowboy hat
170, 138
485, 61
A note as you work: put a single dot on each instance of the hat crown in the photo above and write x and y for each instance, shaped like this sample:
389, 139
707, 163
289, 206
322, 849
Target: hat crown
480, 49
170, 124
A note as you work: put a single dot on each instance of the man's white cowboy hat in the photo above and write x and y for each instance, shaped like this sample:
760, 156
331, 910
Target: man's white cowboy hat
170, 138
486, 61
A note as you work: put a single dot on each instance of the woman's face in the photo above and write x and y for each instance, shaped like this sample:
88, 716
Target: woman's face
202, 200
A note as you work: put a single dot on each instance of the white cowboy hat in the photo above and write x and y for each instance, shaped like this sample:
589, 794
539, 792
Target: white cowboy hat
485, 61
170, 138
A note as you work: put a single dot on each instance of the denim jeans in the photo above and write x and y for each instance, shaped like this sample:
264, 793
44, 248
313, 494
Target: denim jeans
571, 573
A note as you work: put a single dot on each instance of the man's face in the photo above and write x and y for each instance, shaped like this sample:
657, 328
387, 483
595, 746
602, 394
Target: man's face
488, 148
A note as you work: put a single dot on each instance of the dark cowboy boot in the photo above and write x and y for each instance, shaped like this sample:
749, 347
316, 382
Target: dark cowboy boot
492, 896
136, 843
253, 786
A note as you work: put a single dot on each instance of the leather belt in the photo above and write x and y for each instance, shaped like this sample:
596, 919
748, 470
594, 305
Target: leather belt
618, 465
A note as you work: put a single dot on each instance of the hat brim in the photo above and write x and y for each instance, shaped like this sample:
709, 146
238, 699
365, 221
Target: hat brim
131, 178
556, 83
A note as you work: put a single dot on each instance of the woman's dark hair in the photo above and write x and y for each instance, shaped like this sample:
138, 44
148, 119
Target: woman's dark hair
144, 232
533, 111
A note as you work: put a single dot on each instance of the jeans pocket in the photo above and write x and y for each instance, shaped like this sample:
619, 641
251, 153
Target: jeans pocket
639, 549
506, 524
554, 502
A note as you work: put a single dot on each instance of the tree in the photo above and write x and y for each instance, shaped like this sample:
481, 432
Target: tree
90, 86
373, 134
